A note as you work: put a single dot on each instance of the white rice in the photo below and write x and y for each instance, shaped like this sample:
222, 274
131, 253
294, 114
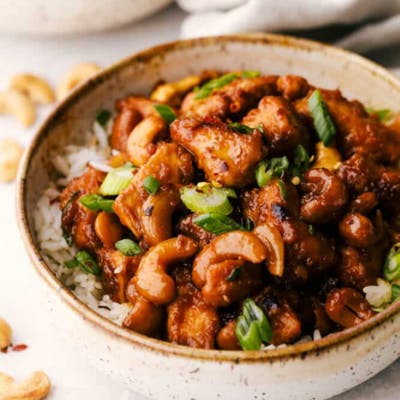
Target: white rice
71, 163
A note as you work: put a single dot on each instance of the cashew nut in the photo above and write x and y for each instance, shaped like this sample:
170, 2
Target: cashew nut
141, 137
151, 280
235, 244
36, 387
36, 88
108, 228
326, 157
10, 155
5, 334
272, 239
19, 105
166, 92
76, 75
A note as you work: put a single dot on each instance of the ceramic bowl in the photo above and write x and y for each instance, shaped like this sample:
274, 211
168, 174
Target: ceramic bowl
49, 17
161, 370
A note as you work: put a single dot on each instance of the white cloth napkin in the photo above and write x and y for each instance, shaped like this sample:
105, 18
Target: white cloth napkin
214, 17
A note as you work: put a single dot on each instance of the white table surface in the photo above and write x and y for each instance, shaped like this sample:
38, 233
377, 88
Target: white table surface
20, 291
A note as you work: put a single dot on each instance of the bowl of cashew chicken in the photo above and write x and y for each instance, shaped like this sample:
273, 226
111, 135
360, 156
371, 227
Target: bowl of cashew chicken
220, 218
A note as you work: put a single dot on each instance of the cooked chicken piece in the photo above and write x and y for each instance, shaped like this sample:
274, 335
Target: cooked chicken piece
187, 227
357, 131
149, 216
225, 156
286, 325
232, 100
283, 128
304, 247
117, 271
292, 87
77, 220
191, 321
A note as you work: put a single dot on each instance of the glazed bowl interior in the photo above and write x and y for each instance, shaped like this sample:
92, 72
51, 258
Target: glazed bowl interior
271, 54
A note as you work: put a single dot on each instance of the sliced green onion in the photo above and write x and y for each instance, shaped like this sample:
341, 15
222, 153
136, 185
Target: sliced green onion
128, 247
252, 327
85, 262
103, 116
383, 114
250, 74
67, 237
96, 202
234, 275
151, 185
117, 180
217, 223
268, 169
391, 269
208, 199
323, 123
260, 127
301, 160
166, 113
395, 292
240, 128
282, 189
248, 224
217, 83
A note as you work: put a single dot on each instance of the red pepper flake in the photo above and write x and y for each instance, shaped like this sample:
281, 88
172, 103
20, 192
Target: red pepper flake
19, 347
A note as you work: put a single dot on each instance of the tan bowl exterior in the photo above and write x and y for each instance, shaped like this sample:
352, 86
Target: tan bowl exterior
160, 370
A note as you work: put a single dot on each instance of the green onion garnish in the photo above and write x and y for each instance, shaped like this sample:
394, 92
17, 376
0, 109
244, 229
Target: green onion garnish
234, 275
217, 83
151, 185
252, 327
301, 160
282, 189
311, 229
128, 247
95, 202
323, 123
391, 269
383, 114
86, 263
268, 169
103, 116
166, 113
117, 180
250, 74
217, 223
205, 198
240, 128
395, 292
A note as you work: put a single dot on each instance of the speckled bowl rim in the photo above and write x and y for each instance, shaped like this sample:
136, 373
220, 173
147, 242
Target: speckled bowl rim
132, 338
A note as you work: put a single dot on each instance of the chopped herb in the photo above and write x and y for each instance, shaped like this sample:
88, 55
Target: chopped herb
67, 237
234, 275
248, 224
252, 327
311, 229
268, 169
260, 127
282, 189
301, 160
85, 262
217, 83
103, 116
391, 269
216, 223
240, 128
166, 113
395, 292
250, 74
128, 247
117, 180
151, 185
95, 202
323, 123
205, 198
383, 114
71, 263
